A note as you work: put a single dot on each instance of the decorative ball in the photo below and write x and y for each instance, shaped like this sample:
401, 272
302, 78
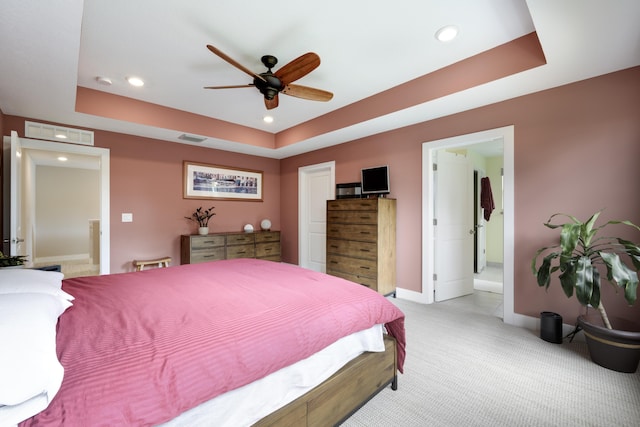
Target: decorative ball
265, 224
248, 228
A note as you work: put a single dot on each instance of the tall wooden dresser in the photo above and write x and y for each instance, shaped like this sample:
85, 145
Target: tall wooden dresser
361, 242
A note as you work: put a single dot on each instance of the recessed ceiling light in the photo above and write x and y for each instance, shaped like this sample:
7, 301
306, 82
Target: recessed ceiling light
62, 158
448, 33
135, 81
268, 119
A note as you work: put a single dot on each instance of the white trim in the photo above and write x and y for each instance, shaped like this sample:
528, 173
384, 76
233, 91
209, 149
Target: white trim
428, 149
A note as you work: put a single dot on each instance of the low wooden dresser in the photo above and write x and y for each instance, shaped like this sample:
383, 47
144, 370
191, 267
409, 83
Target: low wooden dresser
195, 248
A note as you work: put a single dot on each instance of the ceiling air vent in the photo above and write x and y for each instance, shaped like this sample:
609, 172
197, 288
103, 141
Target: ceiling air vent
57, 133
191, 138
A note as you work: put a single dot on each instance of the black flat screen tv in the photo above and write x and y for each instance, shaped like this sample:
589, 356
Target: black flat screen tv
375, 180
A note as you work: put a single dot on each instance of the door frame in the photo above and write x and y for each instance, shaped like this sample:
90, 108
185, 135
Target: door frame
303, 202
103, 156
428, 151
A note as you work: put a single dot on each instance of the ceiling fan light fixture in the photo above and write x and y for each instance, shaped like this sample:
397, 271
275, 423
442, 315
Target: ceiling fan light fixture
270, 93
447, 33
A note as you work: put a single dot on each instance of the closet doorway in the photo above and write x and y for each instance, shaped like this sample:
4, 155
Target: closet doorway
461, 143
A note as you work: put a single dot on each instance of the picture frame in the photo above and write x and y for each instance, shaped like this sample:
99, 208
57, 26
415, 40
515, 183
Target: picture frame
203, 181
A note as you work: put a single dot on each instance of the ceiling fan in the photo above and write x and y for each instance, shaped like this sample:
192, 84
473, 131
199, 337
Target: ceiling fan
270, 84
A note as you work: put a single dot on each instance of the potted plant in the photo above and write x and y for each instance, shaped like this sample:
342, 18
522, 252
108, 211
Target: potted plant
202, 217
575, 259
12, 261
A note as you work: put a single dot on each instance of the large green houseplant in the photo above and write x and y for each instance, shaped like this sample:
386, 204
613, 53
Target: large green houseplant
575, 260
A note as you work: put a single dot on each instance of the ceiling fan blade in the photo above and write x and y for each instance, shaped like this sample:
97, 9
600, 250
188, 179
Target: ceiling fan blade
234, 62
307, 93
298, 68
271, 103
229, 87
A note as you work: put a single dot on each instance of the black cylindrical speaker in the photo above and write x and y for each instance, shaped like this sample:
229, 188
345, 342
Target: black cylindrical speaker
551, 327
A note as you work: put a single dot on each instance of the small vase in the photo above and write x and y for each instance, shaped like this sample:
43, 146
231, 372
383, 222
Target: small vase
203, 231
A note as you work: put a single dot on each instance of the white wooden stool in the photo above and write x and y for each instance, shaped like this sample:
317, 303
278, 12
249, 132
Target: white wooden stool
160, 262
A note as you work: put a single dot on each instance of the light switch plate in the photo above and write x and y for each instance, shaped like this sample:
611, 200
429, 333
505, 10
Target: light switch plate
127, 217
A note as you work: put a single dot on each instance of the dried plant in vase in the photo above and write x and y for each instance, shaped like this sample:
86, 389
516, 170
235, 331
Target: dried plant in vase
202, 217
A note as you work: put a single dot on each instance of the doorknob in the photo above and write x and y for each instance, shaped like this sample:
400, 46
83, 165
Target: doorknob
18, 240
472, 231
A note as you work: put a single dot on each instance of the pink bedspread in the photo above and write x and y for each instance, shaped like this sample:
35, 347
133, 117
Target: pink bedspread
141, 348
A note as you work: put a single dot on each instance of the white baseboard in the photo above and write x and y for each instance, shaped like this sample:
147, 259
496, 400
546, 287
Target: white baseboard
62, 258
414, 296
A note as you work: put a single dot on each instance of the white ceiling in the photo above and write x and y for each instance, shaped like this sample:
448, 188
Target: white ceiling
47, 49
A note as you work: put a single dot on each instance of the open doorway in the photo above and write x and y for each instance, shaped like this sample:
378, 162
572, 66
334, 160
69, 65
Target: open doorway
488, 216
57, 183
464, 142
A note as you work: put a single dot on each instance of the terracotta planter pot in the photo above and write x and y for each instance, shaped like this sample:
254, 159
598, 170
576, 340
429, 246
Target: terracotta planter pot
615, 349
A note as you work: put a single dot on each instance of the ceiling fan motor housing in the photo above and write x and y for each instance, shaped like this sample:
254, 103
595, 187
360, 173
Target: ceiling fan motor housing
270, 86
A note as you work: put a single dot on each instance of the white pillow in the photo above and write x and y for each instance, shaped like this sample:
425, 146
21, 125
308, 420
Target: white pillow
24, 280
29, 363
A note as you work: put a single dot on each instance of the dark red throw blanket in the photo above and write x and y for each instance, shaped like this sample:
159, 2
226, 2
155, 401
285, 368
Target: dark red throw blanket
141, 348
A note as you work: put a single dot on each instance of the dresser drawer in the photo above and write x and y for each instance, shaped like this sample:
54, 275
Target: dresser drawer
203, 242
241, 251
352, 217
208, 254
369, 282
367, 250
264, 250
267, 236
355, 266
240, 239
352, 205
358, 232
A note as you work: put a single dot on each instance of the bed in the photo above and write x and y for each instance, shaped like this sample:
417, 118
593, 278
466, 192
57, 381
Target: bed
233, 342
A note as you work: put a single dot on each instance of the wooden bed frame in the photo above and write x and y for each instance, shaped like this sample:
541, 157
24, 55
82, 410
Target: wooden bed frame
336, 399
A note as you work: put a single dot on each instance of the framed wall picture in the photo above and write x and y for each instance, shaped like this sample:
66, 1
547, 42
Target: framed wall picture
202, 181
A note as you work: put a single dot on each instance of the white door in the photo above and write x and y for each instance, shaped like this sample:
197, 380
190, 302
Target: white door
454, 226
12, 180
316, 186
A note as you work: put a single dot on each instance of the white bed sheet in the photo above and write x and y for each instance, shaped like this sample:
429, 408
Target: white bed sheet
13, 414
248, 404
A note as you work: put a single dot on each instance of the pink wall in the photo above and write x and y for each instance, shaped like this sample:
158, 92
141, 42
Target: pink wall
146, 180
584, 135
576, 150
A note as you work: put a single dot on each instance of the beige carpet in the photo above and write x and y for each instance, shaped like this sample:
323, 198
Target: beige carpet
466, 368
